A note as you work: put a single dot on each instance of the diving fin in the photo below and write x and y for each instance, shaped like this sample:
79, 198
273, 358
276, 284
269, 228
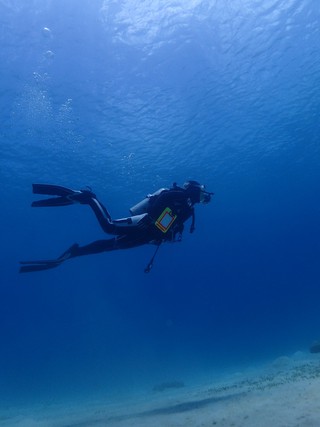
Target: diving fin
54, 201
30, 266
51, 190
37, 266
66, 196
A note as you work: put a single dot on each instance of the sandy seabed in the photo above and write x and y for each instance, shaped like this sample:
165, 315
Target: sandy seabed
284, 393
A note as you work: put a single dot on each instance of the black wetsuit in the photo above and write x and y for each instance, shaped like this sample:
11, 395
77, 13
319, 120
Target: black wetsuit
159, 218
141, 229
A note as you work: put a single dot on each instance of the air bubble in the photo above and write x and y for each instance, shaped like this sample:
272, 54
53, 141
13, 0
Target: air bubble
49, 54
46, 32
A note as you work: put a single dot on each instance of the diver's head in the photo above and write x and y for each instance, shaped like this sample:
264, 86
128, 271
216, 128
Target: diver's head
197, 192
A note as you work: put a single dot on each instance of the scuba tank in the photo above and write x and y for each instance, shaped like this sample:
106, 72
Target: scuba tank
144, 205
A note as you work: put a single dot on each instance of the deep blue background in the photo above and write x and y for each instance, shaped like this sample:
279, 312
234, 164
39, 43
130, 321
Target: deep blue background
133, 96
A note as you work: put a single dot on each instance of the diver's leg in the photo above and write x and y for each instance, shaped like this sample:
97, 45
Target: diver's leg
122, 242
119, 242
94, 248
117, 227
120, 227
66, 196
74, 251
102, 215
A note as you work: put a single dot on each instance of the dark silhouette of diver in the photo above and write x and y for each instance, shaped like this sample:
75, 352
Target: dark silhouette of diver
159, 218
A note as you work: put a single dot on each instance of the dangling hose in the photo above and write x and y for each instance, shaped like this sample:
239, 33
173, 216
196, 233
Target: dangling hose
150, 265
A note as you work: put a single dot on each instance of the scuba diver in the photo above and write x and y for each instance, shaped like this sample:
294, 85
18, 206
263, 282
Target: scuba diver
159, 218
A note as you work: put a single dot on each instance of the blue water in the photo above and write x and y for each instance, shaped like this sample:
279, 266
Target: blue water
129, 96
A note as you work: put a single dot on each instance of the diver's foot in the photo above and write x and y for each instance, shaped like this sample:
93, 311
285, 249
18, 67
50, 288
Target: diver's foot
69, 253
83, 197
